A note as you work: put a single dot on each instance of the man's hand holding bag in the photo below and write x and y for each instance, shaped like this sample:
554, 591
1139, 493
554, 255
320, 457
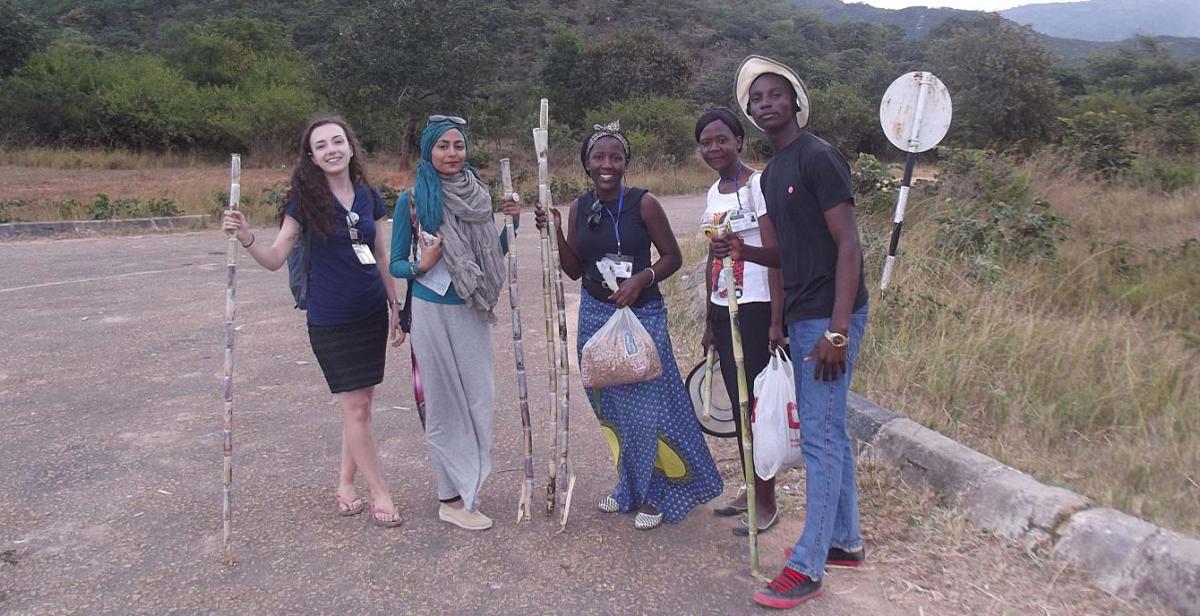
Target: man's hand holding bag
775, 421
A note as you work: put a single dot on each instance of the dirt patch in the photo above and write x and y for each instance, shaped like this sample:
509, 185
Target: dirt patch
194, 189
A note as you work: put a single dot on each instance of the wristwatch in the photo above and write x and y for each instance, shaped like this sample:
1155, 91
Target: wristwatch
837, 340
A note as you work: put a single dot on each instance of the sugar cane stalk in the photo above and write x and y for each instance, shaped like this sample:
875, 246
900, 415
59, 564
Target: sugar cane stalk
563, 478
743, 400
709, 360
525, 506
231, 252
540, 145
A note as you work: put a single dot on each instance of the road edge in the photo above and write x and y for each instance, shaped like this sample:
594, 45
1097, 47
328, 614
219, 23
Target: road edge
1119, 553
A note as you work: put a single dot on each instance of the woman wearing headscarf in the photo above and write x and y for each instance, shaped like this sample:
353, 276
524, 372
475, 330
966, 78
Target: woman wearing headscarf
664, 468
457, 280
736, 197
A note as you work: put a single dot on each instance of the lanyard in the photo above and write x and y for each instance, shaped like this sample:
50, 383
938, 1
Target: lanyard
737, 189
617, 219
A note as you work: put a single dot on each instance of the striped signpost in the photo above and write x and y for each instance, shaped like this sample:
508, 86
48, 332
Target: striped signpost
915, 114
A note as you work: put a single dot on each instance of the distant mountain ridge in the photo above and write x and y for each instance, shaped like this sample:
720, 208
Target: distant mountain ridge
1135, 17
1111, 20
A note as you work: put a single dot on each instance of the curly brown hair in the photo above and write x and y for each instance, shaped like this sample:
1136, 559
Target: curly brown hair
309, 187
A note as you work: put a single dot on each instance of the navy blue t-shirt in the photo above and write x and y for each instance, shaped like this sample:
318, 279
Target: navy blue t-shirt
340, 289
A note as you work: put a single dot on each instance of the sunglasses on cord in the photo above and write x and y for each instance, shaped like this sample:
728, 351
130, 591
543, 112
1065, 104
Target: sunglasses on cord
352, 219
447, 118
593, 219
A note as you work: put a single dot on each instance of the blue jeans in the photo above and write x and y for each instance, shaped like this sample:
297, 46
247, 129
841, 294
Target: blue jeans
832, 511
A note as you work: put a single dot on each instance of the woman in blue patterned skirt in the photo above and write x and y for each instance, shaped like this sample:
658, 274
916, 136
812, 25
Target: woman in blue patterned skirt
664, 468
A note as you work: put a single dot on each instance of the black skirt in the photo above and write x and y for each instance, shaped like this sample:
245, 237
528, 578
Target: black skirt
351, 355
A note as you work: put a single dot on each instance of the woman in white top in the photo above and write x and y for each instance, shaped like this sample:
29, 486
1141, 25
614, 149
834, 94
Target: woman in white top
737, 197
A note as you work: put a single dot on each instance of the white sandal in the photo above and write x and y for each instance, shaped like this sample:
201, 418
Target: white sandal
609, 504
647, 521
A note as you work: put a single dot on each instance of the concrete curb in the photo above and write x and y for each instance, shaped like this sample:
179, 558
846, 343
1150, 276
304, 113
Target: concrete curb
91, 227
1121, 554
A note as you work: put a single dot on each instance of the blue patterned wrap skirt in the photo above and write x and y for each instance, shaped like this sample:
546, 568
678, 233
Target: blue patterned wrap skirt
661, 455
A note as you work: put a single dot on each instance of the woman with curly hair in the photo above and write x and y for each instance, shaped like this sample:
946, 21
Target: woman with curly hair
350, 300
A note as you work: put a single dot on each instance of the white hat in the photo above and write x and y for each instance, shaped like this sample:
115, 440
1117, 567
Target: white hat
755, 66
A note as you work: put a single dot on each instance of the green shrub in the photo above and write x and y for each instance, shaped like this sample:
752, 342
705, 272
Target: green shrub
1099, 142
480, 158
659, 129
7, 208
156, 208
1177, 132
70, 210
846, 119
993, 215
1166, 175
874, 185
959, 162
564, 188
104, 208
76, 95
385, 189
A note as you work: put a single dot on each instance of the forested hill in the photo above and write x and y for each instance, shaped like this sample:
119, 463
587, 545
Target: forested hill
219, 75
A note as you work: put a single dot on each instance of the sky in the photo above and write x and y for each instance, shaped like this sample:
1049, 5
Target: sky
971, 5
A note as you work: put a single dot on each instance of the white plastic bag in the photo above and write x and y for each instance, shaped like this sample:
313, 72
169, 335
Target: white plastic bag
619, 353
775, 422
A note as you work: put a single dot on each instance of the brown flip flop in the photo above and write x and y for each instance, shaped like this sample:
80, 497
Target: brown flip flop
351, 507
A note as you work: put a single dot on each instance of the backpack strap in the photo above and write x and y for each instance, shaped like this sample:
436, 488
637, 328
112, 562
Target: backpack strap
307, 249
406, 310
412, 224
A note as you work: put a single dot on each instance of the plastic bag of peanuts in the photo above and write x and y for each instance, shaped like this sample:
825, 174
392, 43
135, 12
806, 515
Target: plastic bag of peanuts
619, 353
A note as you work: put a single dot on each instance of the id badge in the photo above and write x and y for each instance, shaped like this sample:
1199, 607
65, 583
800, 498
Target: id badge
621, 266
364, 254
741, 222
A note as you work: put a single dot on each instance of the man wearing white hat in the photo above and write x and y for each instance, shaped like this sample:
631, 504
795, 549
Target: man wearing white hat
810, 199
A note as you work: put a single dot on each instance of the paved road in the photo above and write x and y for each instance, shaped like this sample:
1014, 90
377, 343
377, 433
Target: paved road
110, 445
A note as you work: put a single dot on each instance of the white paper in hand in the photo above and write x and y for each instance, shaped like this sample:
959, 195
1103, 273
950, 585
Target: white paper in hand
437, 279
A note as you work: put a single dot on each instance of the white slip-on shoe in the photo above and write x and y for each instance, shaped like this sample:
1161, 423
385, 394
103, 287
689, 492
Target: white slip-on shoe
469, 520
647, 521
609, 505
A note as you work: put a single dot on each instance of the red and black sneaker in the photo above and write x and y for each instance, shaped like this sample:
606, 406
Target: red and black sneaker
839, 558
789, 589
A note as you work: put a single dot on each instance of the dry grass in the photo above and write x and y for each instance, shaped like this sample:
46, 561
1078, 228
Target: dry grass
42, 179
692, 176
64, 158
1083, 370
195, 186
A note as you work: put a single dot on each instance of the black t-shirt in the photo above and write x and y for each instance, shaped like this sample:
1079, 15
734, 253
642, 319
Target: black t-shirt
802, 182
594, 244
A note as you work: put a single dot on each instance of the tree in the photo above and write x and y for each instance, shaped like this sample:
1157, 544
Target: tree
562, 73
635, 63
392, 62
1002, 81
20, 37
627, 65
